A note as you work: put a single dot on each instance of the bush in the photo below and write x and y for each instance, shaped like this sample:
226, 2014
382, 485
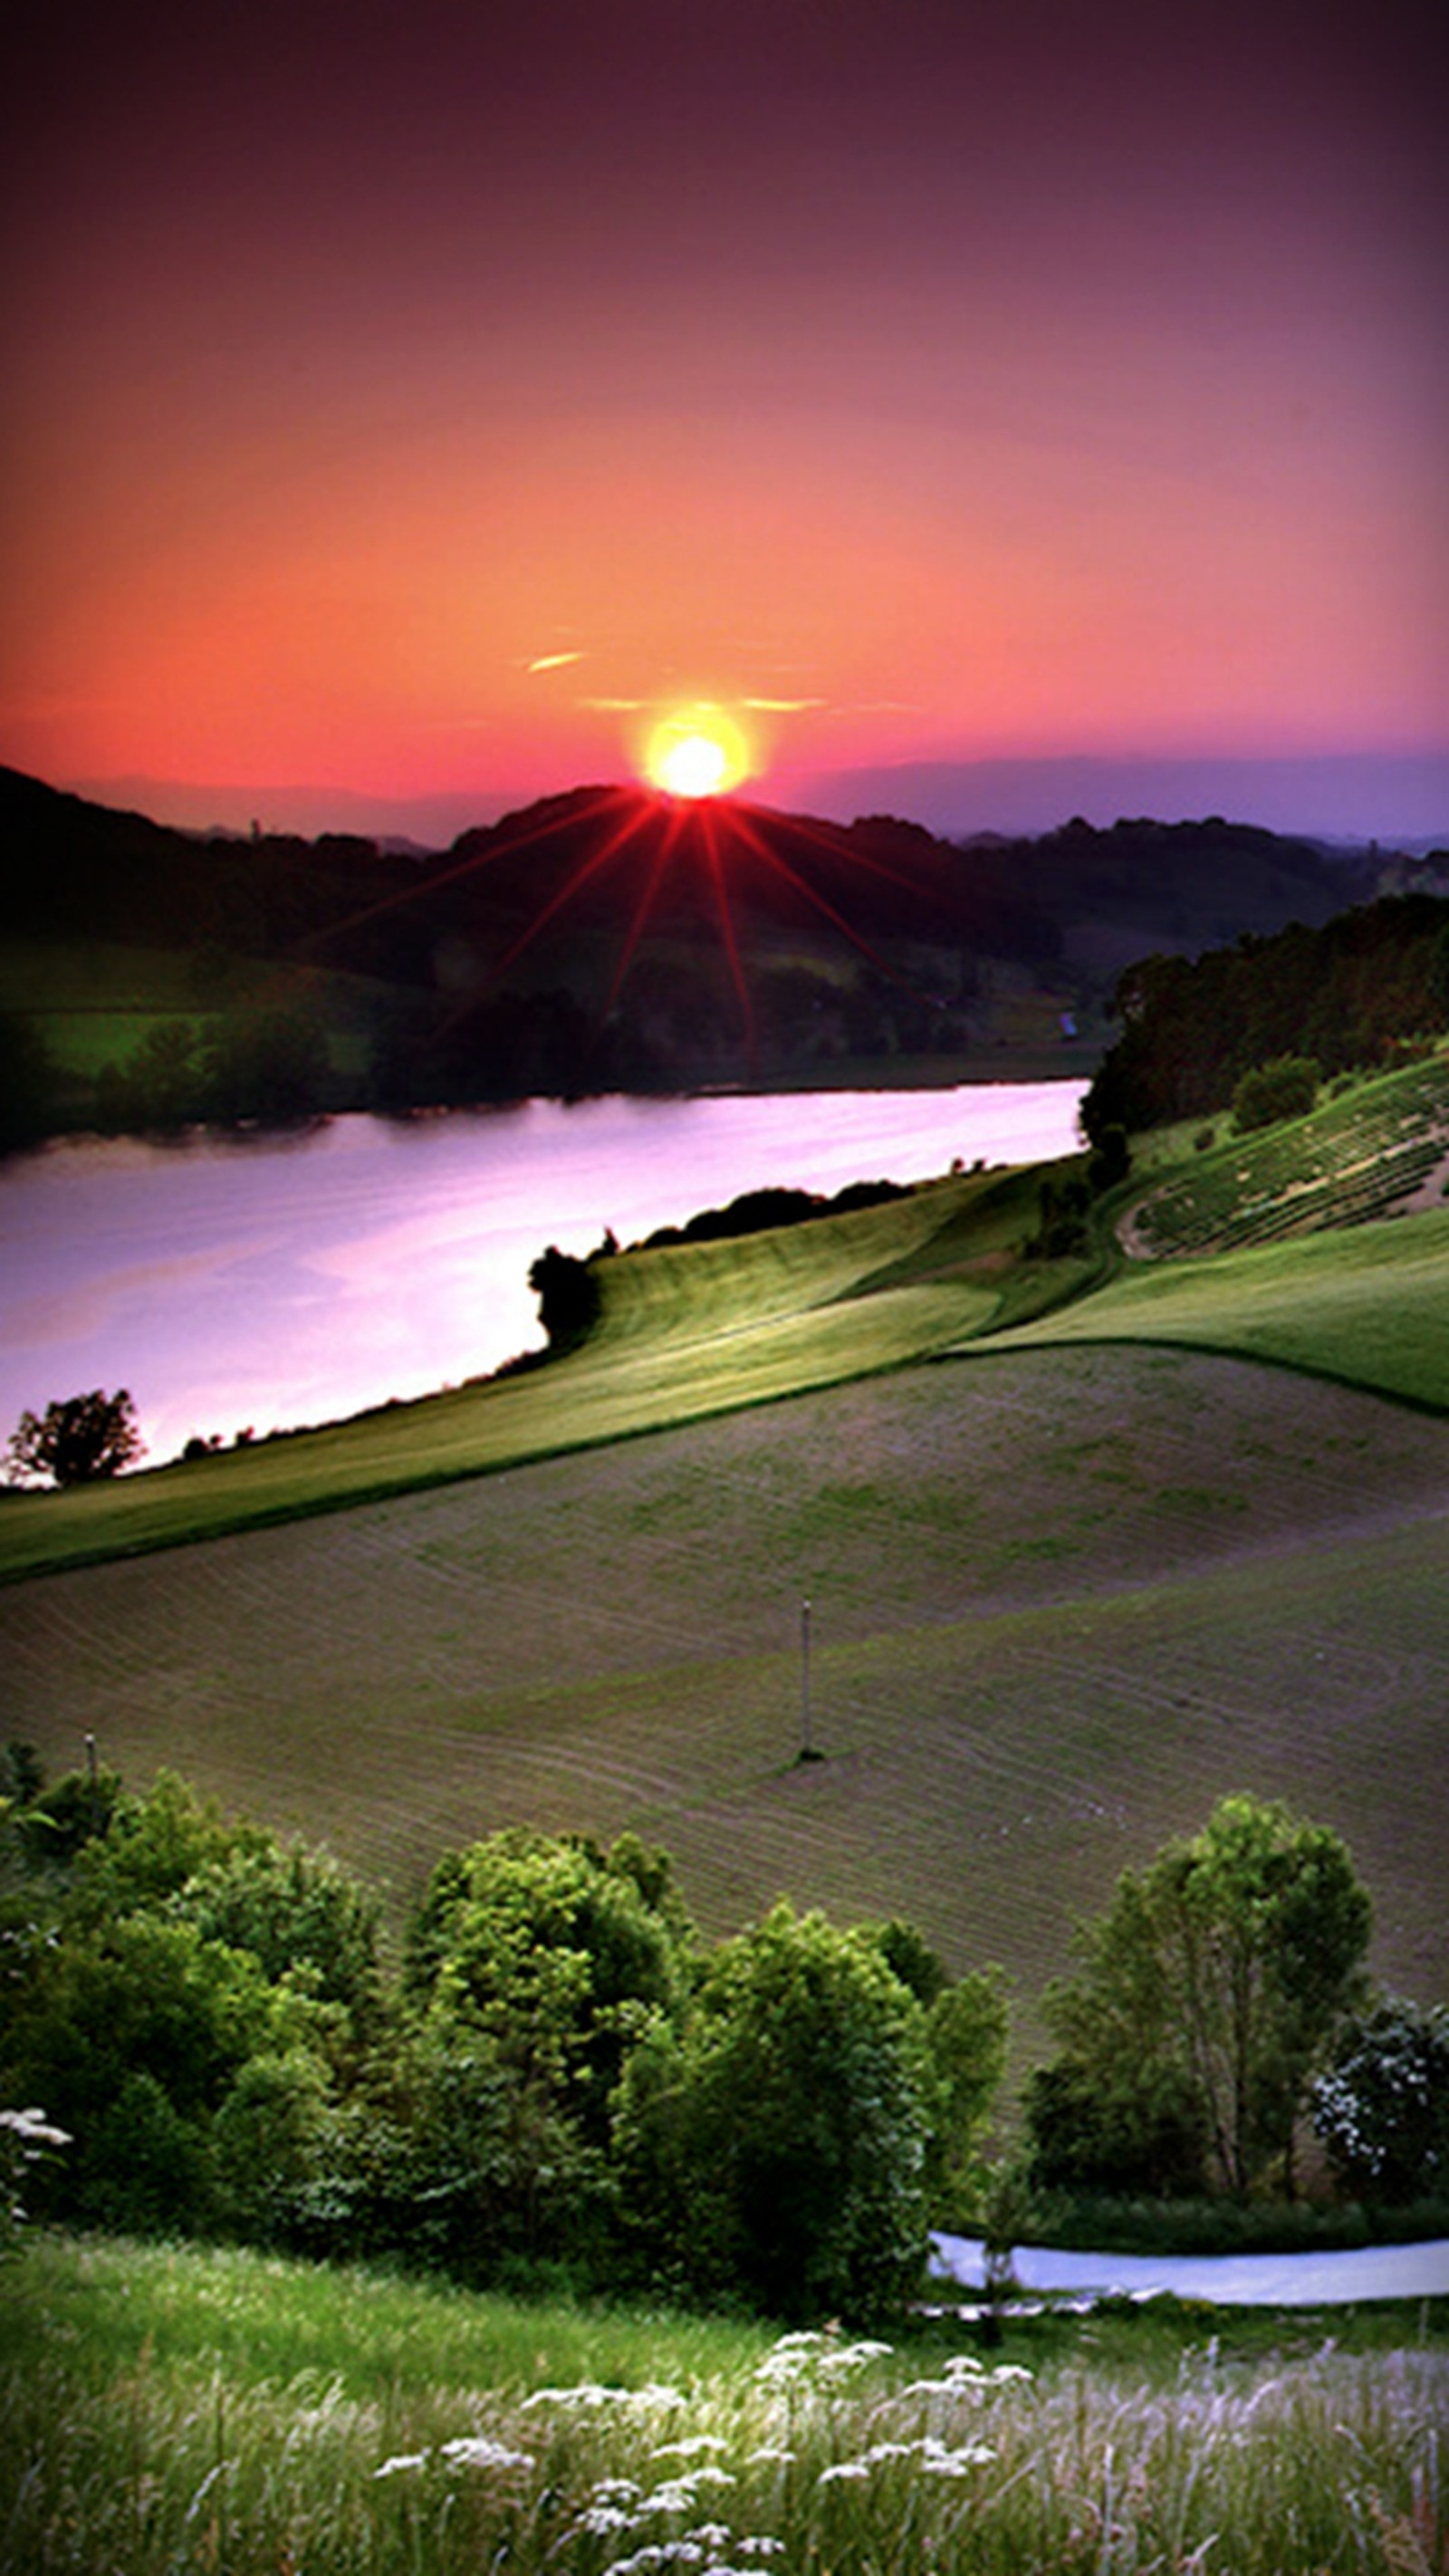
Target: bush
776, 2150
1286, 1088
1382, 2108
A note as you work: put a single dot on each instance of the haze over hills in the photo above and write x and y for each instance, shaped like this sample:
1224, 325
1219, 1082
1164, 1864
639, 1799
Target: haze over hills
1399, 797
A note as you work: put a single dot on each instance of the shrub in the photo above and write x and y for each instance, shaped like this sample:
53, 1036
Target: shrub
1286, 1088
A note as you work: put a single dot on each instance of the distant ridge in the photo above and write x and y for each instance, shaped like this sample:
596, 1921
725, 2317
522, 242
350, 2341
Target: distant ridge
1396, 797
1401, 798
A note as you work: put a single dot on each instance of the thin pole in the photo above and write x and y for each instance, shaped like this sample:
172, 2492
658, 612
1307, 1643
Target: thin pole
805, 1745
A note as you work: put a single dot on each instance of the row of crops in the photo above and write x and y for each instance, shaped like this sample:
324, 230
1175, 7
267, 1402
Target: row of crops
1359, 1157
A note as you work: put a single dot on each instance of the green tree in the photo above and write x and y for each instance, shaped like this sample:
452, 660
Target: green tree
160, 1084
1381, 2109
132, 2034
1209, 1994
79, 1440
776, 2148
966, 2033
29, 1084
544, 1962
270, 1065
151, 1846
302, 1917
1286, 1088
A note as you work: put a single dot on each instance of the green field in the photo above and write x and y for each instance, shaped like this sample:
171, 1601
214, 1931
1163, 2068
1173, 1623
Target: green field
165, 2409
1369, 1307
1071, 1579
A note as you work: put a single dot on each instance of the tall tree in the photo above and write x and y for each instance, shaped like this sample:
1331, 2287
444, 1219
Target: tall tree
1214, 1985
79, 1440
776, 2148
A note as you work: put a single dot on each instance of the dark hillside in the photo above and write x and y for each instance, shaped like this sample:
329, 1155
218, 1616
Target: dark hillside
68, 867
1346, 994
613, 939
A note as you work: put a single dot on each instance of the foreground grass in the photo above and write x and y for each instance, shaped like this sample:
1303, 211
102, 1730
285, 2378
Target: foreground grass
166, 2410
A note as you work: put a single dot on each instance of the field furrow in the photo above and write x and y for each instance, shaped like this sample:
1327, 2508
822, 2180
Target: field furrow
1062, 1599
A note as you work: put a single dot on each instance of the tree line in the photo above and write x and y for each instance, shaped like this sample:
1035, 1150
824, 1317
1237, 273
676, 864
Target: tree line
1346, 995
561, 2076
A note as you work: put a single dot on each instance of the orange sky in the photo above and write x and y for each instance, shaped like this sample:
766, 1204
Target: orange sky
413, 400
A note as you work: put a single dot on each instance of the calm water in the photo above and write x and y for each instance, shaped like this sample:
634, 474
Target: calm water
299, 1279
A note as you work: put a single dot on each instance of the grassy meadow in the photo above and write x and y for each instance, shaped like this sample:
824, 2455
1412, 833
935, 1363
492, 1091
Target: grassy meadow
168, 2409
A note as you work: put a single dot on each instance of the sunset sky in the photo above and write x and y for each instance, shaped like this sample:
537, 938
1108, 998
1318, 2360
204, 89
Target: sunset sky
430, 399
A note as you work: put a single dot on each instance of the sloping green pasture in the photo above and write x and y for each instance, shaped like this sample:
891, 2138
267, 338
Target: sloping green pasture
691, 1331
1370, 1306
1061, 1601
686, 1332
1356, 1158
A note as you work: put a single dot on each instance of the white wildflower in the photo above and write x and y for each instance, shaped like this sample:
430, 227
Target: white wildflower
692, 2443
402, 2460
1009, 2370
840, 2470
675, 2496
33, 2129
476, 2451
854, 2356
584, 2393
770, 2455
939, 2462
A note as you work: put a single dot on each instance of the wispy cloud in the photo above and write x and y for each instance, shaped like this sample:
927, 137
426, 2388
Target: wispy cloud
551, 661
784, 706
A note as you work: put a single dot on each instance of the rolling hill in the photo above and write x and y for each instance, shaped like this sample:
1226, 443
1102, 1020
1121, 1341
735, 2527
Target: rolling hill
1086, 1544
612, 939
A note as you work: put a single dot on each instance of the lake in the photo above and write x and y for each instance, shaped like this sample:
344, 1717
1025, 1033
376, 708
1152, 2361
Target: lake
288, 1279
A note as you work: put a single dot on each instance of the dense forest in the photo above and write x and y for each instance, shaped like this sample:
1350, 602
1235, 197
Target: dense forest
1365, 985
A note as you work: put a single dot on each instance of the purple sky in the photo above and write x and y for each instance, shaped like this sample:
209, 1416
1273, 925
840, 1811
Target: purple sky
426, 401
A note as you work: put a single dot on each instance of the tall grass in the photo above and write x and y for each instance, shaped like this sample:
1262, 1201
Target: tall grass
421, 2434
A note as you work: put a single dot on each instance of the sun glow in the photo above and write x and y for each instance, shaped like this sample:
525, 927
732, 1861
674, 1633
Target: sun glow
698, 751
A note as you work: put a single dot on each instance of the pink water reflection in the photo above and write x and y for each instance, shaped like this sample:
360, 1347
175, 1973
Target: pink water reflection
297, 1280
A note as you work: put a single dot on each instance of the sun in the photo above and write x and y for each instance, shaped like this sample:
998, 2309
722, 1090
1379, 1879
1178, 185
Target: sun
697, 751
